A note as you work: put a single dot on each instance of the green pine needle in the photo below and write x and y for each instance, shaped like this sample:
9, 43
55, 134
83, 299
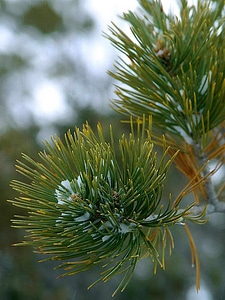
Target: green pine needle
174, 67
90, 202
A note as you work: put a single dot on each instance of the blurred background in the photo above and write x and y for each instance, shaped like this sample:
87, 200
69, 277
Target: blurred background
53, 63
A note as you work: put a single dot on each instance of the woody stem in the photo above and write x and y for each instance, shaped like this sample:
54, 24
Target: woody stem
214, 205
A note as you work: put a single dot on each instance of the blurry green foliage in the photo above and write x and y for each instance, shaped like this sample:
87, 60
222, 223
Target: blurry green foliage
43, 18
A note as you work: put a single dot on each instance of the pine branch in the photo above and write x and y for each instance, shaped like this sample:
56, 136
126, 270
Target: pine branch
92, 202
210, 190
91, 205
169, 76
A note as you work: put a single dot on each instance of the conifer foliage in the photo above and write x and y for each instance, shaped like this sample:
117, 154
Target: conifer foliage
92, 202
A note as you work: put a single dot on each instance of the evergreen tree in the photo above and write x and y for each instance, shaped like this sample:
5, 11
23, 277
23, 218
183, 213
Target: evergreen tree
93, 201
